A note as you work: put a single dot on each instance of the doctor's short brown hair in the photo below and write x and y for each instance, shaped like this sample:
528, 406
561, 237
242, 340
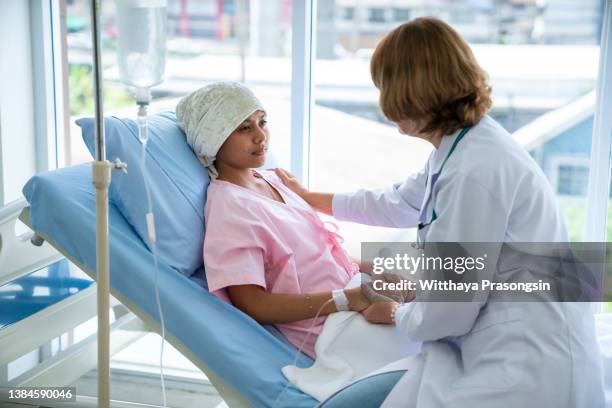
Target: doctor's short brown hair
427, 73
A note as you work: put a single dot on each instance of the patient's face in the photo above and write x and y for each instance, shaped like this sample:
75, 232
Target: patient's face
246, 147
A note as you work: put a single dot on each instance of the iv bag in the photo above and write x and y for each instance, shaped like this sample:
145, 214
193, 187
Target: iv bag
141, 54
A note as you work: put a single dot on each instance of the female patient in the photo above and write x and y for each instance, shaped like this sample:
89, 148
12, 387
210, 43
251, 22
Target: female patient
265, 250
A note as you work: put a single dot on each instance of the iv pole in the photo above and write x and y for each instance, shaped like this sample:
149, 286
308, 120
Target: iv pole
101, 176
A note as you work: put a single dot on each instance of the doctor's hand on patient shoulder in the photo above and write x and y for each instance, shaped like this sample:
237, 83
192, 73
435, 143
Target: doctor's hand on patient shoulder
319, 201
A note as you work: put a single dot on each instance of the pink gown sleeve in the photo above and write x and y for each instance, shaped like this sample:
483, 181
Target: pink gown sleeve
234, 251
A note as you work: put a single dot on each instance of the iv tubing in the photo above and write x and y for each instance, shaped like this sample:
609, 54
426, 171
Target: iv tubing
143, 135
297, 354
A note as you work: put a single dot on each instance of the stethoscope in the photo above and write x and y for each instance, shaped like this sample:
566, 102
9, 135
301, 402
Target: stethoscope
434, 177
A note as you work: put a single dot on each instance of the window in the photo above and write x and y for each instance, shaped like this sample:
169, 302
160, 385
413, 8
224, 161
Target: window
568, 175
548, 103
573, 180
30, 86
376, 15
401, 14
207, 41
348, 13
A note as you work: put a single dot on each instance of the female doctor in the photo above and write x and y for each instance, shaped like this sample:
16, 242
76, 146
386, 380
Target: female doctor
478, 185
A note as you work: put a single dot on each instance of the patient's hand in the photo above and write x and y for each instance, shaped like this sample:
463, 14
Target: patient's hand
365, 267
379, 289
357, 300
380, 312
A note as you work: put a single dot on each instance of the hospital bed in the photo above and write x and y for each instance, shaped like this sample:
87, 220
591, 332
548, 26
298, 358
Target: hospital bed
241, 358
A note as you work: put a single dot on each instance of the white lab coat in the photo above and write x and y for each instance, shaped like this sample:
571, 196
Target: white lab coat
486, 354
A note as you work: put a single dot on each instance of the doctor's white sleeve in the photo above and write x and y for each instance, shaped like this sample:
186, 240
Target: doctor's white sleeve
396, 206
468, 212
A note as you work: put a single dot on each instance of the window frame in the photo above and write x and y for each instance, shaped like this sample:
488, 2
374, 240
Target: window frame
37, 116
303, 46
17, 160
50, 81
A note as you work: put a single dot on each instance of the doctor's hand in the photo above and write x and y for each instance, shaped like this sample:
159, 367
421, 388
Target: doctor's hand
292, 183
381, 312
319, 201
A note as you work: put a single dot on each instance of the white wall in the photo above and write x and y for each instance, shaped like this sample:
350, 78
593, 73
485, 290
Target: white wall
17, 136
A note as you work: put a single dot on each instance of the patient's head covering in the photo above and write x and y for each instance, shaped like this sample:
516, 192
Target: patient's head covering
209, 115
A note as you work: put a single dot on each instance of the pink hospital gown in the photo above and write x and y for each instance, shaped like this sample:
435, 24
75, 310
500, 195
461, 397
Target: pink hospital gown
284, 248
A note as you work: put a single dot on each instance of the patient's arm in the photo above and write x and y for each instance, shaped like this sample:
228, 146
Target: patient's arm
268, 308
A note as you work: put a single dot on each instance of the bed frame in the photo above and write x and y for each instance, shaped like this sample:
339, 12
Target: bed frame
28, 252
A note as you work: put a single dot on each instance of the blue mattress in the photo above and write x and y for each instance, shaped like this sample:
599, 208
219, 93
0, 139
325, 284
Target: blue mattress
236, 348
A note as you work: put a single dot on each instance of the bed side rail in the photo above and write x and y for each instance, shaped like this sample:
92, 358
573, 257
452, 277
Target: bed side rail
23, 253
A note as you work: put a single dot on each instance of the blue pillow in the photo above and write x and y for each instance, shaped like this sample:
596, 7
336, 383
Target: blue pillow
177, 181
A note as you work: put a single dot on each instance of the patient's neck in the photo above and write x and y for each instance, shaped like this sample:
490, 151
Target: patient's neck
240, 176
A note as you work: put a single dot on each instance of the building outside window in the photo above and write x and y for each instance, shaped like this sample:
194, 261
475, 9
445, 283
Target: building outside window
348, 13
401, 14
573, 180
376, 15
